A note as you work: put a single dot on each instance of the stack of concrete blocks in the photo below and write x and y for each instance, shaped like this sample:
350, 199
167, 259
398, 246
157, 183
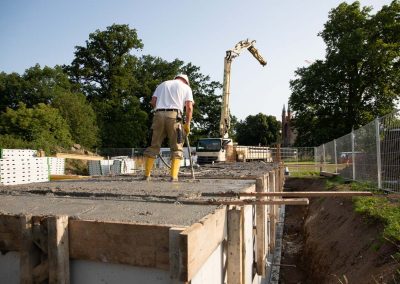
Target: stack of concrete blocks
166, 155
114, 166
21, 166
56, 166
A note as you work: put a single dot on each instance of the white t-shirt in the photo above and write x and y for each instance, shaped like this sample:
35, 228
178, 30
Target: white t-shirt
172, 94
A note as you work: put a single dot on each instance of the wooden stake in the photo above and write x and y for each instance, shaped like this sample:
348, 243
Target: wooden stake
58, 249
260, 228
235, 241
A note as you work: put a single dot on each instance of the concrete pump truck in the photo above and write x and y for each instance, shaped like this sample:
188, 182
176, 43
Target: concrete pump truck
211, 150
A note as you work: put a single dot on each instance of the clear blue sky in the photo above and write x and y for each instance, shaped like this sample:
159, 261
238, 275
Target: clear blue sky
46, 32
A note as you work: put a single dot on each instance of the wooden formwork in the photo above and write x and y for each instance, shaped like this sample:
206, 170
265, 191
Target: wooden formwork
47, 243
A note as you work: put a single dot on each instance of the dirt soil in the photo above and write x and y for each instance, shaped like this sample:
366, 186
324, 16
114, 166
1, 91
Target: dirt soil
327, 242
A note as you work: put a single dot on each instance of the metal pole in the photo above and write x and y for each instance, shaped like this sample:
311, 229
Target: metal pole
378, 153
323, 156
353, 154
334, 149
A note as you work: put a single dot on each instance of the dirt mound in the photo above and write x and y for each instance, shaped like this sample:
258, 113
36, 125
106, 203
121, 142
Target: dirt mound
330, 243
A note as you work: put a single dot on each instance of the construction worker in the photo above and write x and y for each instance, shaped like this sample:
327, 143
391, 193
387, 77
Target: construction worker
168, 101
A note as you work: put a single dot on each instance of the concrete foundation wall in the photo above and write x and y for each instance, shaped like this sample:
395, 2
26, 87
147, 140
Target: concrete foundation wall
213, 271
83, 271
9, 268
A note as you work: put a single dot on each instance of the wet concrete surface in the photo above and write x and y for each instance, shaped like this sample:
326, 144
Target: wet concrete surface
130, 199
173, 214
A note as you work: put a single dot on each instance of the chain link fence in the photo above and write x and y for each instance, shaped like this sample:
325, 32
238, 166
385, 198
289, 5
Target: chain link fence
368, 154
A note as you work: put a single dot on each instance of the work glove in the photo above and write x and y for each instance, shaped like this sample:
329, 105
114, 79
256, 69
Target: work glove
186, 127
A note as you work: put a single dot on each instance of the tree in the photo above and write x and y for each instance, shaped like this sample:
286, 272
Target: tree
80, 116
258, 130
105, 70
357, 81
11, 86
41, 127
119, 86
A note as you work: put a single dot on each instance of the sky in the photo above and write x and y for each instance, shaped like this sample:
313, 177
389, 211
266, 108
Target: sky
46, 32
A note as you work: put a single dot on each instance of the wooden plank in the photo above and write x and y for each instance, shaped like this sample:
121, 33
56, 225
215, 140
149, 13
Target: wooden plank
248, 244
327, 174
242, 202
298, 194
246, 177
58, 249
175, 258
200, 240
260, 228
124, 243
41, 272
27, 253
68, 177
79, 157
10, 233
235, 243
272, 217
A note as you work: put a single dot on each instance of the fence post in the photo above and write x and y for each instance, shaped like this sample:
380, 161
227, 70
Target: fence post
353, 155
378, 153
334, 150
323, 156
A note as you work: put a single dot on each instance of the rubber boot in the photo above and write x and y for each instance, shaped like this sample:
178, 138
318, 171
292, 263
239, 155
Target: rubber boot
175, 165
148, 166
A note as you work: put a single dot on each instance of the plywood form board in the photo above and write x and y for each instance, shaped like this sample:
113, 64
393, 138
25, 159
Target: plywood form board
261, 186
10, 233
235, 245
199, 241
137, 245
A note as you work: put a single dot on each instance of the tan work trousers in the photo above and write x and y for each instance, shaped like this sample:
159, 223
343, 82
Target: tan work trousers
165, 125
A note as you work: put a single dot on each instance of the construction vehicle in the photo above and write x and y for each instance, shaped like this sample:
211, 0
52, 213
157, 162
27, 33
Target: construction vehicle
211, 150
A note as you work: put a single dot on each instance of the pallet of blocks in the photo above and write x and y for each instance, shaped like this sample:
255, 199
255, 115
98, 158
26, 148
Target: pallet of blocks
56, 166
21, 166
114, 166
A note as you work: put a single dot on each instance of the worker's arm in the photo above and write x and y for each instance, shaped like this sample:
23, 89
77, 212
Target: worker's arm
153, 101
189, 111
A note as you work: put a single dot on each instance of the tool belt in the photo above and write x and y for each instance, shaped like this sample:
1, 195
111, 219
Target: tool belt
168, 109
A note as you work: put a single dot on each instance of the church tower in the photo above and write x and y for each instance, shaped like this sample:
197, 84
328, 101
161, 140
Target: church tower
288, 134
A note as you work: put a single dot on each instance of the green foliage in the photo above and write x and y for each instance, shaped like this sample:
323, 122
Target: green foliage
42, 127
80, 117
103, 96
11, 90
382, 209
257, 130
357, 81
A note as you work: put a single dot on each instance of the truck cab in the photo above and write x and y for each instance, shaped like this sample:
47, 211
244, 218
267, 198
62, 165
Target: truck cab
210, 150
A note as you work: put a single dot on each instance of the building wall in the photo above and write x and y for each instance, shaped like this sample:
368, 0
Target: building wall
9, 268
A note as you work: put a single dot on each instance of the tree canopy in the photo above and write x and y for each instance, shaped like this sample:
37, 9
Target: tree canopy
258, 130
40, 127
357, 81
104, 94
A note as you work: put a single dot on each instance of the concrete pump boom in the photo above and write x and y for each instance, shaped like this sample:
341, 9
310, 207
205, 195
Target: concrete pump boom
225, 122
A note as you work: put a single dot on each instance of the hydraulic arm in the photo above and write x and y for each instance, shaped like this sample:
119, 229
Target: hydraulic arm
230, 55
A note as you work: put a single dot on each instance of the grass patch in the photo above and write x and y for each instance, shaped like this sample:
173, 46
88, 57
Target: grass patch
379, 207
304, 173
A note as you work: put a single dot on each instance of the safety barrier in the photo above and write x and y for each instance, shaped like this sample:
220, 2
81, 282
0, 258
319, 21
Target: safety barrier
368, 154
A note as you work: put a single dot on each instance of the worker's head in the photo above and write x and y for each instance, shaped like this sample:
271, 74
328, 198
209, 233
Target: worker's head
183, 77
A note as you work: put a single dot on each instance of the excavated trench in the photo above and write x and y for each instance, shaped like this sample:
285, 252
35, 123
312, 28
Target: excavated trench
327, 242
